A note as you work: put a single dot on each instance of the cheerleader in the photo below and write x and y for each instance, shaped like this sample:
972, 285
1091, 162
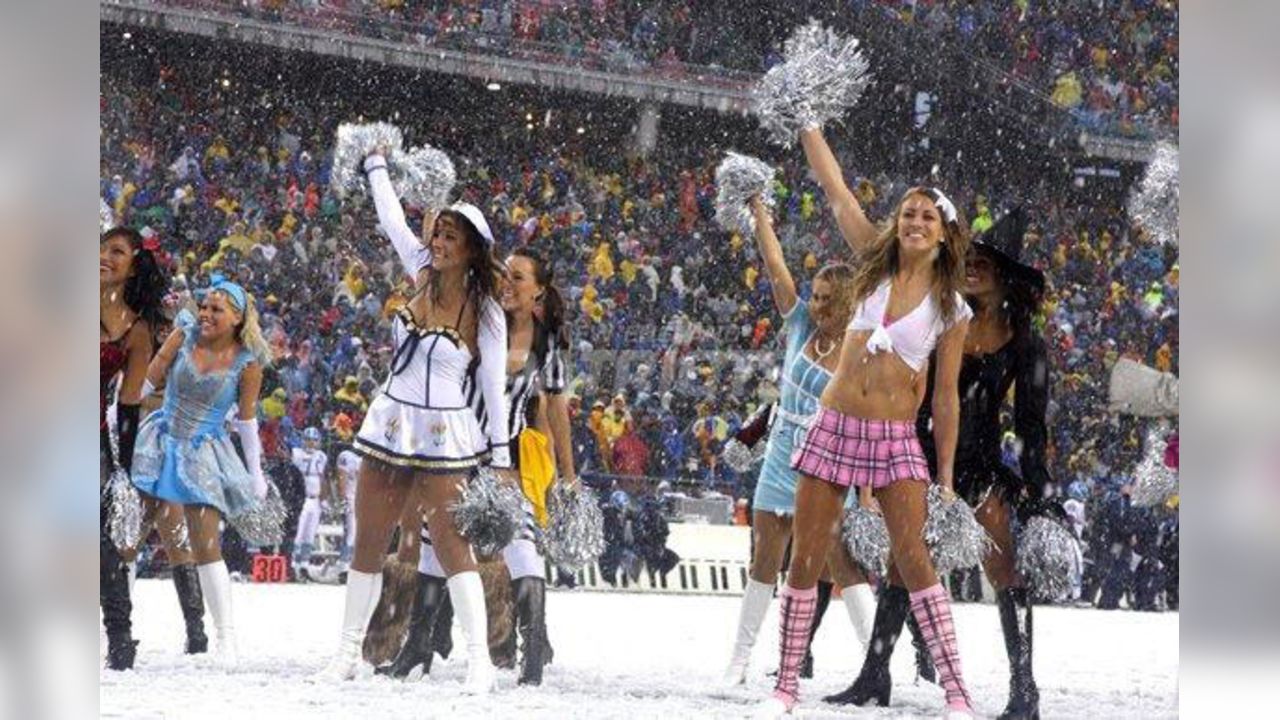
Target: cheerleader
420, 434
813, 331
537, 342
184, 454
907, 302
1001, 351
131, 287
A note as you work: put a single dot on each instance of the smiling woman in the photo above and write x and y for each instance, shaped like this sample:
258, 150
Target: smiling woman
184, 454
908, 302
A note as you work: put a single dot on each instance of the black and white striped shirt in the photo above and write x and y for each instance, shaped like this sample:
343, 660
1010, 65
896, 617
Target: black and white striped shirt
544, 371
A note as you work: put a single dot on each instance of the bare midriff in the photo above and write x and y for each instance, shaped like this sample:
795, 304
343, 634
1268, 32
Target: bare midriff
874, 386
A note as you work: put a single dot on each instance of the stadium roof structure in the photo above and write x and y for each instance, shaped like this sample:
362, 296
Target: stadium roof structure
523, 62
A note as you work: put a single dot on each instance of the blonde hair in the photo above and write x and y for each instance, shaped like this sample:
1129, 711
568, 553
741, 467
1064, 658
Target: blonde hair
250, 334
249, 331
840, 276
882, 259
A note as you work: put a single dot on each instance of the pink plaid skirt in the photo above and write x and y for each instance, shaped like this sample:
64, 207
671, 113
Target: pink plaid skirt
845, 450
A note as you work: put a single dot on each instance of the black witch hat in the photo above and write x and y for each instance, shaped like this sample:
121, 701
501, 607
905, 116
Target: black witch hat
1003, 242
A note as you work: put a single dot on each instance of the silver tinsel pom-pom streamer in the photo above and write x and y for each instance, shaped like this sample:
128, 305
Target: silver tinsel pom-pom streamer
738, 179
423, 177
1153, 202
821, 76
1153, 481
1048, 559
106, 216
263, 524
125, 514
355, 141
955, 539
867, 539
575, 529
489, 512
740, 457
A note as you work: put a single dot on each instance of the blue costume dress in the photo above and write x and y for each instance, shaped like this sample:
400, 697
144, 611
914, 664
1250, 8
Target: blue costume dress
803, 381
183, 452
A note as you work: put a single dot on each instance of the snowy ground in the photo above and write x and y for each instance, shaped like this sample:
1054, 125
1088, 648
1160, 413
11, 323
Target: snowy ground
627, 656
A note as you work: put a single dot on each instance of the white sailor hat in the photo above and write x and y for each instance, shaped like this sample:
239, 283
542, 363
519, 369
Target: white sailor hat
476, 218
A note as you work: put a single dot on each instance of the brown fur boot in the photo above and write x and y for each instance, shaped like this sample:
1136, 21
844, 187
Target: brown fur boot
391, 617
500, 607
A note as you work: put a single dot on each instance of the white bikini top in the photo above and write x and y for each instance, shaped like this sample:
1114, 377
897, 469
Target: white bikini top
912, 336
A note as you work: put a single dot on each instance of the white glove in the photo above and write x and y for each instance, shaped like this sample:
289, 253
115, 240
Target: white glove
252, 445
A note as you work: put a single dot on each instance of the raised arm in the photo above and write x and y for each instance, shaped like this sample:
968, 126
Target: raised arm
775, 266
160, 363
858, 231
414, 255
492, 379
946, 401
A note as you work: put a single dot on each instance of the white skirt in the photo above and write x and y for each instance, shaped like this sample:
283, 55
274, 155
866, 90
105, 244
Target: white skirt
426, 440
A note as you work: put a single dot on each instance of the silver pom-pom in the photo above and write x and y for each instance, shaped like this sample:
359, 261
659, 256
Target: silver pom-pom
575, 529
125, 513
354, 143
740, 457
1049, 559
423, 177
1153, 481
955, 539
867, 539
738, 179
1153, 202
106, 216
821, 76
263, 524
489, 512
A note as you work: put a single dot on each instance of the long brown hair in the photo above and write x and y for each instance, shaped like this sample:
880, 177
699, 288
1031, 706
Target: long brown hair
840, 276
483, 271
882, 259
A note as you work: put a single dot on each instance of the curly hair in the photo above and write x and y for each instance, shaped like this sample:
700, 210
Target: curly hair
147, 284
882, 259
840, 276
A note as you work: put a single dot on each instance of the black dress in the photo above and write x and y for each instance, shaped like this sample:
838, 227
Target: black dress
985, 380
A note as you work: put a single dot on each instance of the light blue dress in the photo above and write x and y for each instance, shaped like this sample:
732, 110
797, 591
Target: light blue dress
802, 384
183, 452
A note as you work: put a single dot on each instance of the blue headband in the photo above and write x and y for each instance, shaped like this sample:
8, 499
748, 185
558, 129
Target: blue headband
233, 291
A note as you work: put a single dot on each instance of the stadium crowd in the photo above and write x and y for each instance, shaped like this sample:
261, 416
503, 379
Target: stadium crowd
675, 337
1113, 66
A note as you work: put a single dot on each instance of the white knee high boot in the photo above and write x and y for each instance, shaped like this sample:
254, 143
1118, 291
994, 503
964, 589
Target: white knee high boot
467, 594
755, 603
215, 582
363, 591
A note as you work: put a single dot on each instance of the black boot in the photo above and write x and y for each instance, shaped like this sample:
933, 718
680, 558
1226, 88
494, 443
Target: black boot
417, 649
113, 597
442, 638
187, 583
531, 621
924, 661
824, 599
1015, 620
873, 683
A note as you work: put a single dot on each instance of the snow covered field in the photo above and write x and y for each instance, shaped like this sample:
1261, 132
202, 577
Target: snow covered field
626, 656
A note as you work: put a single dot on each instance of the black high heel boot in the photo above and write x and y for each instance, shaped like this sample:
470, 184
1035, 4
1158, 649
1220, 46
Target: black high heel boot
113, 597
531, 620
874, 683
924, 661
417, 649
187, 583
824, 599
1015, 619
